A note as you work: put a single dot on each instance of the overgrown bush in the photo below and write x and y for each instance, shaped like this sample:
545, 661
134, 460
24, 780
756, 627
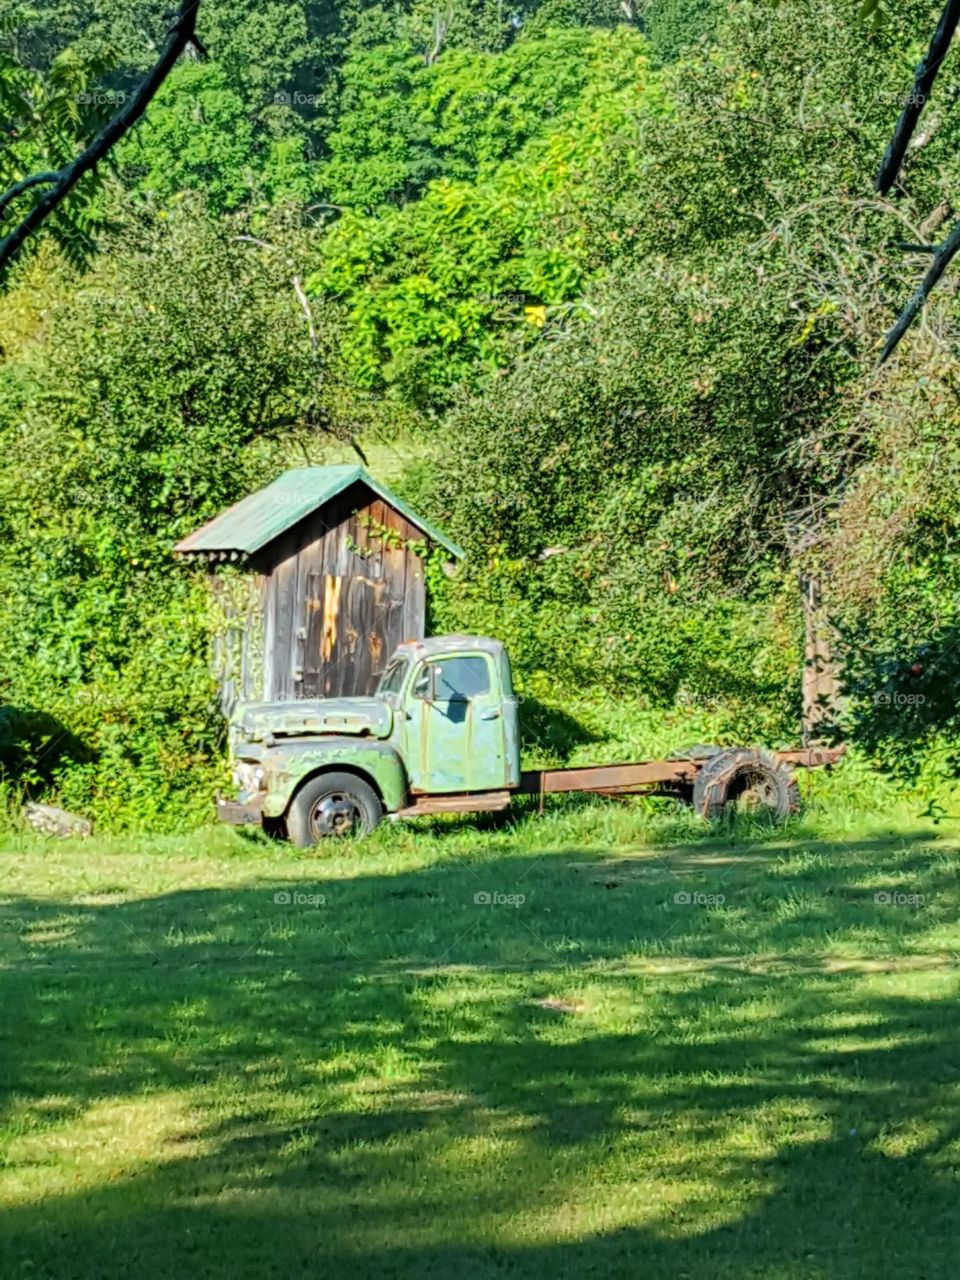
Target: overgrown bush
165, 386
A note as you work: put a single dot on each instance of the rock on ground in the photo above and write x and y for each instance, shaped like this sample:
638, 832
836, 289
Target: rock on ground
51, 821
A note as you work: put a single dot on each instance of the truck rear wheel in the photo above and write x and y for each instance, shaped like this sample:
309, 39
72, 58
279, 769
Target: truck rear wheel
743, 777
332, 805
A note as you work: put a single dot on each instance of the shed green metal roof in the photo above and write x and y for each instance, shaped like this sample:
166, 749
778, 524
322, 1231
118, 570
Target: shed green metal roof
257, 519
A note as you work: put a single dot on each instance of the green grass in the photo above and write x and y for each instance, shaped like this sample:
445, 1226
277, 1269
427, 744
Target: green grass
601, 1081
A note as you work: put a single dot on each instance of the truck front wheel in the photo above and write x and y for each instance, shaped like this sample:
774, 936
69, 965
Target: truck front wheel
332, 804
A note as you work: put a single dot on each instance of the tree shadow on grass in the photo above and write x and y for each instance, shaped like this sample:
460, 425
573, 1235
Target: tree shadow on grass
34, 744
551, 730
405, 1081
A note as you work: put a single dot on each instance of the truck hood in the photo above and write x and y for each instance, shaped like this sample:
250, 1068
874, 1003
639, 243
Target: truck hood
255, 721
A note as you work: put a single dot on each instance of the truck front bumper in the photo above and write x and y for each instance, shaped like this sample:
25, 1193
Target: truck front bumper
241, 813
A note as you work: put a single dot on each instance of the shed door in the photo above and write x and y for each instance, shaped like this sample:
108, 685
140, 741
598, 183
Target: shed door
344, 636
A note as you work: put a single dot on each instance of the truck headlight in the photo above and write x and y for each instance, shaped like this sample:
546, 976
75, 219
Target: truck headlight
249, 777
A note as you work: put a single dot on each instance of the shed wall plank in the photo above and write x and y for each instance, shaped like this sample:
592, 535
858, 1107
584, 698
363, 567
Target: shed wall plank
334, 601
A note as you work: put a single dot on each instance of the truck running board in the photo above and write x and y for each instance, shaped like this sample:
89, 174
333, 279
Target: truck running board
476, 802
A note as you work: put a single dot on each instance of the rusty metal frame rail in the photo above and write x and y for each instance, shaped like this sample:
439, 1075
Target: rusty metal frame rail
609, 779
811, 757
645, 776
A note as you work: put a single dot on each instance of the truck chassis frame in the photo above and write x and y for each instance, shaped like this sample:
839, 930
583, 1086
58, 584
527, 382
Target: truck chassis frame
649, 777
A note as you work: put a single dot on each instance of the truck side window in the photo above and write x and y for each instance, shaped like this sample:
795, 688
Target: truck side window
459, 679
392, 678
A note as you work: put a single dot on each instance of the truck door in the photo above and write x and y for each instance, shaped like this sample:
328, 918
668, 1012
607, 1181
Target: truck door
456, 743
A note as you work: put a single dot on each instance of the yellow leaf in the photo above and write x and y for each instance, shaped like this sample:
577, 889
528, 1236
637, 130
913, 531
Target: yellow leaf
536, 315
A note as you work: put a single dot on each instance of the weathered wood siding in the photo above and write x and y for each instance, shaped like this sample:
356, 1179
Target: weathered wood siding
336, 600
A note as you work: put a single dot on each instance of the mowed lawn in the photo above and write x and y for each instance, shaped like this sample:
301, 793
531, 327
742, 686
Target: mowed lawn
719, 1056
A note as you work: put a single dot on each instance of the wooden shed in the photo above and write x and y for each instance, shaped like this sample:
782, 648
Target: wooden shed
319, 576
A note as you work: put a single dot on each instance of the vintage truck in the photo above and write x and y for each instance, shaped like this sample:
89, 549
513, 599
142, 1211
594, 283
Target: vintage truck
441, 735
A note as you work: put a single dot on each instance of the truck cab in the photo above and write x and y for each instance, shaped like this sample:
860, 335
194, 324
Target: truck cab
442, 723
455, 714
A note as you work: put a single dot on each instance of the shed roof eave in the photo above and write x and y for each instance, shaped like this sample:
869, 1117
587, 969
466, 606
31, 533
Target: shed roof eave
252, 523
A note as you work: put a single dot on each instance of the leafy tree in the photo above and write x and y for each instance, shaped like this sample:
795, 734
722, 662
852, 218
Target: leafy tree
198, 137
673, 26
170, 383
45, 115
621, 290
380, 149
669, 456
433, 289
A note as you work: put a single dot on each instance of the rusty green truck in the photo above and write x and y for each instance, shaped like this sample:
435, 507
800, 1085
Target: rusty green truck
441, 735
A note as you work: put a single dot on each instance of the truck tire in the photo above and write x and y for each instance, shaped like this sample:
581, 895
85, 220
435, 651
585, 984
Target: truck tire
332, 805
744, 773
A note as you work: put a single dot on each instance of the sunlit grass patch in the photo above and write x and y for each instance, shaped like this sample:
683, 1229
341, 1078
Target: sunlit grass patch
223, 1057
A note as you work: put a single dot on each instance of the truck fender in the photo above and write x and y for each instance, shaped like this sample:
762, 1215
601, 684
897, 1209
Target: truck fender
290, 764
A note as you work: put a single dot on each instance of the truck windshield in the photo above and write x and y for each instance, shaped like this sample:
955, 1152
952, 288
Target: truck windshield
392, 678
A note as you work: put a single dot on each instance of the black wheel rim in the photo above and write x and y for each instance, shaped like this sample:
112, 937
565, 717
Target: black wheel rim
336, 815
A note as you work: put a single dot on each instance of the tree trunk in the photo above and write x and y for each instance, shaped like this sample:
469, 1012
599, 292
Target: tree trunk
821, 684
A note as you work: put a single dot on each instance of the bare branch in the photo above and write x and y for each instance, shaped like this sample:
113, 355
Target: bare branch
933, 220
305, 306
772, 124
181, 34
916, 100
941, 261
18, 188
440, 26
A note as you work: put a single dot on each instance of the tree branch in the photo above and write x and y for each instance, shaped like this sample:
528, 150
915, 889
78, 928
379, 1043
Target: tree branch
18, 188
916, 100
305, 307
181, 34
941, 261
440, 25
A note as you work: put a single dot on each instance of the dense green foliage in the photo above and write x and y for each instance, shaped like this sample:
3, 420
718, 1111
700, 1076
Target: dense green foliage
613, 280
149, 397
